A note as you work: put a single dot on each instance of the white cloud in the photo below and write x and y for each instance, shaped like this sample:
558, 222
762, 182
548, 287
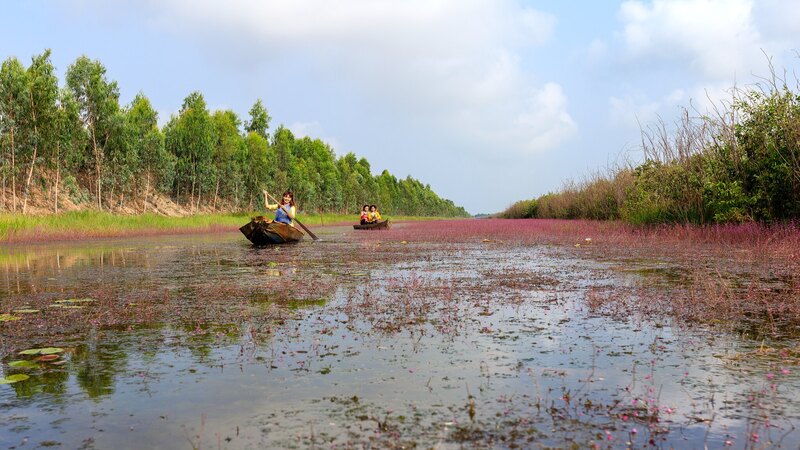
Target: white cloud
637, 109
313, 130
451, 65
716, 38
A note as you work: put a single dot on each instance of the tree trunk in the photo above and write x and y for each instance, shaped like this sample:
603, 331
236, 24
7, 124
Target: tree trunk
58, 180
216, 192
13, 174
146, 193
191, 198
97, 171
33, 159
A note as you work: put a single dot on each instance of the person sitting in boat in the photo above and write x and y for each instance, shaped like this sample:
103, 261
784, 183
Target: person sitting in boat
365, 215
374, 215
285, 210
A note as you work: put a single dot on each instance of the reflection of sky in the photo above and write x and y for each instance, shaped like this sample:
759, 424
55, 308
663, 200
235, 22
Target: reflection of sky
169, 385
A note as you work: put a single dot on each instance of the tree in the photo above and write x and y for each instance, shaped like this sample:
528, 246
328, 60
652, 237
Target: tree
13, 104
229, 143
157, 166
190, 136
99, 102
40, 118
70, 138
259, 120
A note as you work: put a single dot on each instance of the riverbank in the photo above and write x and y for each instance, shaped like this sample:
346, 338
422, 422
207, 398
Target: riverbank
78, 225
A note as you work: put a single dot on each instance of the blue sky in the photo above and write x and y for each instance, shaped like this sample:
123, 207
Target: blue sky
489, 101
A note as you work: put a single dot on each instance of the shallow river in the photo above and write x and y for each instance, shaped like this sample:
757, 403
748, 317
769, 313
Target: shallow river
365, 341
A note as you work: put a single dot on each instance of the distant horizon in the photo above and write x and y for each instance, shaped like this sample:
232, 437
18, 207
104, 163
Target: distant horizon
525, 96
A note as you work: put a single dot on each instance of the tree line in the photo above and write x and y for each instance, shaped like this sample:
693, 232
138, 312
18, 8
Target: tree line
740, 162
77, 142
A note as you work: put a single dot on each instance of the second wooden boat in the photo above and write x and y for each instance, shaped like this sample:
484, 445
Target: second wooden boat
382, 225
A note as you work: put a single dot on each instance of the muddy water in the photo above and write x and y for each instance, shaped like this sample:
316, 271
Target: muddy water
367, 341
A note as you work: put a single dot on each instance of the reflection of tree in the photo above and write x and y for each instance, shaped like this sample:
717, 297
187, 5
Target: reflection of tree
97, 363
51, 381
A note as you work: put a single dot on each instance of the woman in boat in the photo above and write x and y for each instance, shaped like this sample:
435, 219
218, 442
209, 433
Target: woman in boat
285, 210
365, 215
374, 215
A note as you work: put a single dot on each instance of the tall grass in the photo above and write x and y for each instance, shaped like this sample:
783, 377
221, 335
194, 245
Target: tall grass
737, 162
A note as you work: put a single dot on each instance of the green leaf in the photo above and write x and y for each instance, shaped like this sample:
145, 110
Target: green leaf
42, 351
75, 300
23, 364
14, 378
8, 318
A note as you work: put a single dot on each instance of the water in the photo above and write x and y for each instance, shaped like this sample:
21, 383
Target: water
362, 341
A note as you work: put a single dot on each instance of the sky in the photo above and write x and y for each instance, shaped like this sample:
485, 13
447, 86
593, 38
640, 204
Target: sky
487, 101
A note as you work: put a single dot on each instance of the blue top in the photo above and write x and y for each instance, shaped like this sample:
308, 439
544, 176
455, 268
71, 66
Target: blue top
281, 216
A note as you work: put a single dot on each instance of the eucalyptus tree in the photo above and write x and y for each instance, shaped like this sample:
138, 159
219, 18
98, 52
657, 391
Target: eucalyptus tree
227, 172
41, 114
99, 103
282, 145
258, 165
156, 165
190, 136
70, 139
259, 120
13, 106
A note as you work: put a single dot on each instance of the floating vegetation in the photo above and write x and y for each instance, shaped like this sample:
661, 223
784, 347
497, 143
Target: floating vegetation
42, 351
23, 364
17, 377
27, 311
8, 318
74, 300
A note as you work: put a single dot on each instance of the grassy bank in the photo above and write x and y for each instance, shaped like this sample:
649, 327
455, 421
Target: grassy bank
93, 224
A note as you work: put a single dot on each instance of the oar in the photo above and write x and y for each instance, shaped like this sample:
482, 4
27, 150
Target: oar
313, 236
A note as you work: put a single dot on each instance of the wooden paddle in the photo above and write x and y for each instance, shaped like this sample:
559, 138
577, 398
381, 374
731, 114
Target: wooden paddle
313, 236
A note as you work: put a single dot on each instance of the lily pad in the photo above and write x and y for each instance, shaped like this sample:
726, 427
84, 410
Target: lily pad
75, 300
47, 358
42, 351
27, 311
23, 364
8, 318
14, 378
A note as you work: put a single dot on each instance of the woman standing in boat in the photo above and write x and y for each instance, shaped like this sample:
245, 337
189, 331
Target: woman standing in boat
285, 210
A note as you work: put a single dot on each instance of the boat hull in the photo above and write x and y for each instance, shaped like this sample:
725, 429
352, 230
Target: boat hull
382, 225
263, 231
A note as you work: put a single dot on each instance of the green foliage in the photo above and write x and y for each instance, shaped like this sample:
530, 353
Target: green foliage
116, 157
259, 120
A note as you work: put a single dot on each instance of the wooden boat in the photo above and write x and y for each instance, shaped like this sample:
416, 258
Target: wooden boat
382, 225
263, 231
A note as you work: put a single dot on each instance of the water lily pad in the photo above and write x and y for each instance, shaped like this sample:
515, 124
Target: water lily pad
46, 358
75, 300
42, 351
27, 311
273, 272
8, 318
14, 378
23, 364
